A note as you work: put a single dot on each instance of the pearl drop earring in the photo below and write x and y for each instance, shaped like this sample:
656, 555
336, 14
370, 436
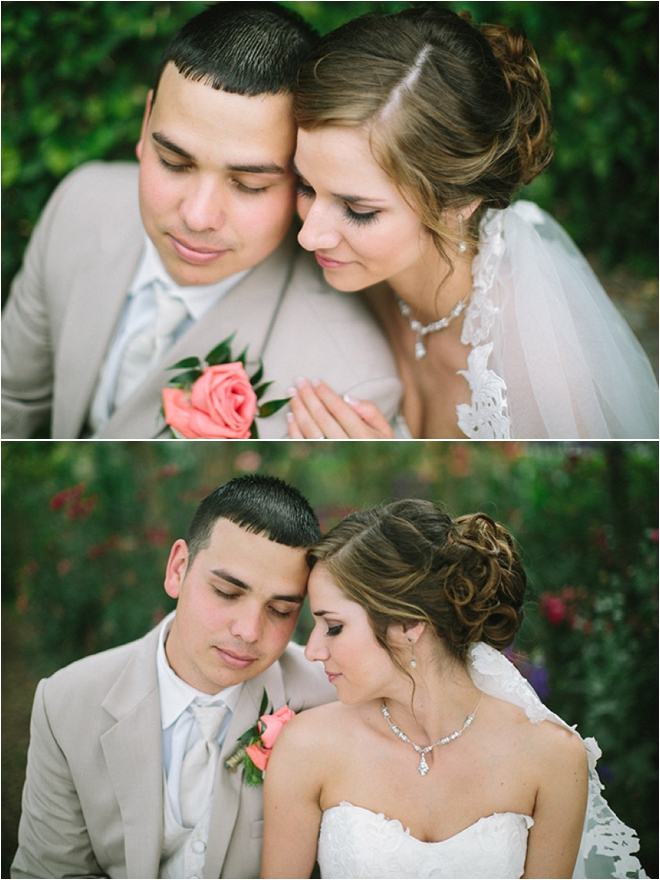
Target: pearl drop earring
413, 662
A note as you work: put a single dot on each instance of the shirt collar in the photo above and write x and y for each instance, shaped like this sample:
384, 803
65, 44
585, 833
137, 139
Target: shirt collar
198, 298
176, 694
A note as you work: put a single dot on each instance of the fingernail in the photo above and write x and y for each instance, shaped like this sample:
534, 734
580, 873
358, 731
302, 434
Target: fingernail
300, 383
290, 417
292, 392
315, 383
351, 401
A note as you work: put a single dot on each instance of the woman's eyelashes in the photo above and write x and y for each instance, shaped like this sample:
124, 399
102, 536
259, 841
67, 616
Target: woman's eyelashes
334, 630
304, 190
357, 217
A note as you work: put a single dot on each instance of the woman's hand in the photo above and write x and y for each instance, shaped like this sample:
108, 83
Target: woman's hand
318, 413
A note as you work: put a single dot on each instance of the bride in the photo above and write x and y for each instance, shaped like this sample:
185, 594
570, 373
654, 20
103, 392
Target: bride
416, 132
439, 760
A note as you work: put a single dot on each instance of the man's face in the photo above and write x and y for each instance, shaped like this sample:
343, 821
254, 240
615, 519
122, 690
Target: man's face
238, 604
216, 189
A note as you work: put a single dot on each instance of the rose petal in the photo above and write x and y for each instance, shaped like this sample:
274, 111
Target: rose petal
177, 406
271, 725
258, 756
225, 402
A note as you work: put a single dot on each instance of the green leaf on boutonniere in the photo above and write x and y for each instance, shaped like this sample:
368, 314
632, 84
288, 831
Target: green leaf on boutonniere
187, 378
272, 406
187, 364
242, 358
260, 390
258, 376
221, 354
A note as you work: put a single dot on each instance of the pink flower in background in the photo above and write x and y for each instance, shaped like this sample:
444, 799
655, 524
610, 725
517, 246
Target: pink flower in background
553, 608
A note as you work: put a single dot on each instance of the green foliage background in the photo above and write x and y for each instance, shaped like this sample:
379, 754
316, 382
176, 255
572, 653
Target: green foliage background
76, 75
87, 527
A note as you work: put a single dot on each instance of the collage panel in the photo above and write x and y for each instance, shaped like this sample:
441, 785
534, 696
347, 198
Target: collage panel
490, 583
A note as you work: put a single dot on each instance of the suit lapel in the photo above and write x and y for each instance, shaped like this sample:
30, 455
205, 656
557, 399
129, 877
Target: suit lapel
249, 311
99, 289
228, 786
133, 752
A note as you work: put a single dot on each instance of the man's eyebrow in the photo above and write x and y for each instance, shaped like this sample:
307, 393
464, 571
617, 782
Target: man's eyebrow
246, 588
170, 145
265, 168
268, 168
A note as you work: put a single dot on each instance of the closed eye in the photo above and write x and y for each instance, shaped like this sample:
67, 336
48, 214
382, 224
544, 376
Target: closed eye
304, 190
177, 169
359, 217
249, 190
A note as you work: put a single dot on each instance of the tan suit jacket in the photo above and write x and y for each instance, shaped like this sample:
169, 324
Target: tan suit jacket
93, 797
68, 297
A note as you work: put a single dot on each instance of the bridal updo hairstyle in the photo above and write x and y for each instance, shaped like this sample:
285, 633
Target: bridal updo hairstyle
454, 112
409, 561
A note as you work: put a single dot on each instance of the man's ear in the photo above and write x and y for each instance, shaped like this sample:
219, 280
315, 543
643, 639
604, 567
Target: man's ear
145, 121
177, 566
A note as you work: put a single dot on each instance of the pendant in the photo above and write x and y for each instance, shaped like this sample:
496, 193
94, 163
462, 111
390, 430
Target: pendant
423, 766
420, 350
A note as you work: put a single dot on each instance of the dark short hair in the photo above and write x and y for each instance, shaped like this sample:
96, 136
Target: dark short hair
245, 48
260, 504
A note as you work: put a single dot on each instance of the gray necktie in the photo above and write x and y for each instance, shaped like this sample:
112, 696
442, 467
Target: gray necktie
200, 764
144, 349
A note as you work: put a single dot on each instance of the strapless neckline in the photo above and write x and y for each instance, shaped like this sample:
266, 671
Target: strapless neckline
395, 824
355, 842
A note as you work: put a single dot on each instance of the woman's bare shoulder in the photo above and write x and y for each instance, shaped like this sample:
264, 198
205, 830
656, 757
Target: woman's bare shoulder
321, 725
548, 738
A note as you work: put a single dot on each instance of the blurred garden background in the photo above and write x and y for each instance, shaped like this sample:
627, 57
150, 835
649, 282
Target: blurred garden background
87, 528
76, 75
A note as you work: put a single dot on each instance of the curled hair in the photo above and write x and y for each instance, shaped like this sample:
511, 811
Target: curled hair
409, 561
455, 113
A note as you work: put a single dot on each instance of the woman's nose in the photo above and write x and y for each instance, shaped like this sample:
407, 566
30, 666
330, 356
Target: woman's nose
318, 232
315, 649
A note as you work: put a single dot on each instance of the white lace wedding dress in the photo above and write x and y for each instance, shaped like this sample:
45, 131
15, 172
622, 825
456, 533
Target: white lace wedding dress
551, 357
354, 842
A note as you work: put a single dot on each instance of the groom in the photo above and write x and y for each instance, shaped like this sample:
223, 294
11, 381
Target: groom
132, 269
109, 790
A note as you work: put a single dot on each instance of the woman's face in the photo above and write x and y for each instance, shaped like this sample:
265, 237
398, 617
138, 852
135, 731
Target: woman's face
356, 221
344, 642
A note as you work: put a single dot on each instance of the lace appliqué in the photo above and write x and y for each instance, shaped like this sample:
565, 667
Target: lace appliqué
487, 416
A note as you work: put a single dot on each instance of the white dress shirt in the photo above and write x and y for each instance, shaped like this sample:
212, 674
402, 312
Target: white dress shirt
180, 731
139, 312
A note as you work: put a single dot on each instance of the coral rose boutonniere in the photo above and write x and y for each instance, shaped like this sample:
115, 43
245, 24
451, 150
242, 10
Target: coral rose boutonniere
255, 744
216, 399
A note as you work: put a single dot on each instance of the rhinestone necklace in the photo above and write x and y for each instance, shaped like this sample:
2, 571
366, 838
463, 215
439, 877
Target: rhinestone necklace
421, 330
423, 751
